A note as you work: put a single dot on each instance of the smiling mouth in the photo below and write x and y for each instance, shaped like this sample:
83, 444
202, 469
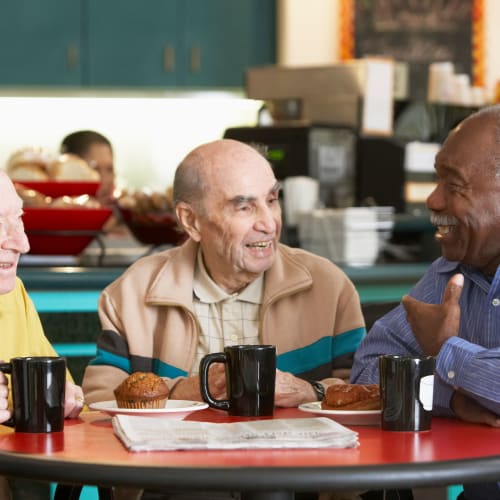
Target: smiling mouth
5, 265
443, 231
259, 244
445, 224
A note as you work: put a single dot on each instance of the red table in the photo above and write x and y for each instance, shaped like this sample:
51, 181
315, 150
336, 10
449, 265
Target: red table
88, 452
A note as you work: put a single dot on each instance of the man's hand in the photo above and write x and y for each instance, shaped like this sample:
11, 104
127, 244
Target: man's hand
73, 402
434, 324
189, 388
292, 391
4, 399
470, 410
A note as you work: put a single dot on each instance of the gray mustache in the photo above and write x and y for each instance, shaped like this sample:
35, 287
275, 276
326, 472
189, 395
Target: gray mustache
443, 220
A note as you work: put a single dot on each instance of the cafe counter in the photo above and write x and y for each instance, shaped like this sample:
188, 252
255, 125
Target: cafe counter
76, 289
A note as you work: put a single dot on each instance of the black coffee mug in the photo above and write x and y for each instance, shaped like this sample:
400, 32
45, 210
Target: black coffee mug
250, 379
38, 391
406, 391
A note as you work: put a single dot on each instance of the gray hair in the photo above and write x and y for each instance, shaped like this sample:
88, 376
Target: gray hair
189, 182
493, 113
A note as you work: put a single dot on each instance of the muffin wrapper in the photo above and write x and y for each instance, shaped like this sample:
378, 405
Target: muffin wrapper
141, 405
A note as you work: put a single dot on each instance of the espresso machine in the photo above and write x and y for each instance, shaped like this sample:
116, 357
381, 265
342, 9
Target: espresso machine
326, 153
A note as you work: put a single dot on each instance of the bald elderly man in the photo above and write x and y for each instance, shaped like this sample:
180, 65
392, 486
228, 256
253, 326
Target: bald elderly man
231, 282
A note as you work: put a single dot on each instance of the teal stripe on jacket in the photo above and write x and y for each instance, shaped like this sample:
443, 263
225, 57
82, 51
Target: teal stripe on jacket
162, 369
322, 352
165, 370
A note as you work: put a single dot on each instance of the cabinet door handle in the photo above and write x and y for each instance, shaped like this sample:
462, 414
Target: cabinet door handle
169, 59
195, 59
72, 56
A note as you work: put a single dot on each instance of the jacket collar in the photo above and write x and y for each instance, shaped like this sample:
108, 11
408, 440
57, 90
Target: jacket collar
286, 276
173, 283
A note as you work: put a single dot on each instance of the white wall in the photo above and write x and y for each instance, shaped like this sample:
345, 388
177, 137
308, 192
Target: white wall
308, 32
309, 35
150, 135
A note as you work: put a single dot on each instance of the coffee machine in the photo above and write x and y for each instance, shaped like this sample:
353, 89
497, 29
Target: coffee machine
324, 152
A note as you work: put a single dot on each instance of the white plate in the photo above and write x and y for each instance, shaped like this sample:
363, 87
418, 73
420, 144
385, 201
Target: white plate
175, 408
345, 417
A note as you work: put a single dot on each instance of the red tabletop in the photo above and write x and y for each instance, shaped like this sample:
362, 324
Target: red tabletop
452, 450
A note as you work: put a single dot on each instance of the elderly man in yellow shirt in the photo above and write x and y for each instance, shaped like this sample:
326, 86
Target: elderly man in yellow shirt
20, 328
22, 333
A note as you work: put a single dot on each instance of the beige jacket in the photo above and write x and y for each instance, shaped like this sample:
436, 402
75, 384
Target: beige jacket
310, 311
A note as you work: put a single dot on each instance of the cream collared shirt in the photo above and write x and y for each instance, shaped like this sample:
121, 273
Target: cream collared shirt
225, 319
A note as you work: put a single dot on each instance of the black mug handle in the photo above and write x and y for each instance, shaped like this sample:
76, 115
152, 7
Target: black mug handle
206, 361
7, 368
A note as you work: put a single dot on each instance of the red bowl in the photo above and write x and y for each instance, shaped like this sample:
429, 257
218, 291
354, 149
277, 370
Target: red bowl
62, 231
56, 189
154, 228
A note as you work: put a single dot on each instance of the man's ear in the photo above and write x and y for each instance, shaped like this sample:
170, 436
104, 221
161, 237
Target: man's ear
188, 219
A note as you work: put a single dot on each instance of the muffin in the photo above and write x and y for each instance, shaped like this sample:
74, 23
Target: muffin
142, 390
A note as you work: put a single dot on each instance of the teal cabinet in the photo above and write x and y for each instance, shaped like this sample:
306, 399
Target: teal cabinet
194, 43
224, 37
125, 43
133, 43
40, 42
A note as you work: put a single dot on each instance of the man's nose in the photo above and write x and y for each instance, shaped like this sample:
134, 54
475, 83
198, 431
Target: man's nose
435, 200
13, 238
266, 220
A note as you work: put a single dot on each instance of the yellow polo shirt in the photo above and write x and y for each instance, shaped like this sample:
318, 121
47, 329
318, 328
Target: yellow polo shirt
21, 332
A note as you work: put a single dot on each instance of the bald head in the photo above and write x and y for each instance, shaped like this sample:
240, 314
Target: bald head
477, 136
487, 111
208, 165
7, 188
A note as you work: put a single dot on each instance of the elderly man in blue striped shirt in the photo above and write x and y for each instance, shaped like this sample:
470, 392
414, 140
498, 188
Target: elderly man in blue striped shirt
453, 312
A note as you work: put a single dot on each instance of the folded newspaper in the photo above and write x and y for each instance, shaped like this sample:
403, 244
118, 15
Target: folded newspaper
152, 433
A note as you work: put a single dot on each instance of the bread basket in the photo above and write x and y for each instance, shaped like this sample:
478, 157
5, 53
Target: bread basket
153, 228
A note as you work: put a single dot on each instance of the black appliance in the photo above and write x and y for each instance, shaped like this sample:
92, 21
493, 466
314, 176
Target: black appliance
380, 172
326, 153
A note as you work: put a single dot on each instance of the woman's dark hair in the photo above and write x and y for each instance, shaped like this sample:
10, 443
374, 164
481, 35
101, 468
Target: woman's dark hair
79, 142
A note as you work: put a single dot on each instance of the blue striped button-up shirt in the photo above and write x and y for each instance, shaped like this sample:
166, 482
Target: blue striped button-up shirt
470, 361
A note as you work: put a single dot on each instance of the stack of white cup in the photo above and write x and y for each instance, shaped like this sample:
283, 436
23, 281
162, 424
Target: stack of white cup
440, 83
447, 87
301, 194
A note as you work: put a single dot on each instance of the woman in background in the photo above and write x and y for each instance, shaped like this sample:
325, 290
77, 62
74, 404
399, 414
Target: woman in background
97, 151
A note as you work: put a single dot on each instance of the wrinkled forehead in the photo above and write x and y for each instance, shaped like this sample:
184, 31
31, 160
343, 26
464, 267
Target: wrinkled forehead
233, 158
242, 174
